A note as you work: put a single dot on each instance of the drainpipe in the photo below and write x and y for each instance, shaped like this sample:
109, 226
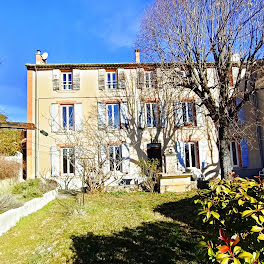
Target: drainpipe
36, 120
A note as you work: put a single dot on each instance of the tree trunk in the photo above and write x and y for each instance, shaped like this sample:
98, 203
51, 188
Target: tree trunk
224, 153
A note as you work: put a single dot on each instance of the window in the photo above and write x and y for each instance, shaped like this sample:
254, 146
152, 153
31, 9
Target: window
113, 115
115, 158
190, 154
67, 121
149, 79
67, 161
111, 80
234, 153
188, 113
151, 115
67, 81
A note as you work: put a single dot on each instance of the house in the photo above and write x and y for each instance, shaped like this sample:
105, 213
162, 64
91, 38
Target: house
109, 116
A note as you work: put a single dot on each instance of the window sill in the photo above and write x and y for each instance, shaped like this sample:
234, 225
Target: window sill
66, 91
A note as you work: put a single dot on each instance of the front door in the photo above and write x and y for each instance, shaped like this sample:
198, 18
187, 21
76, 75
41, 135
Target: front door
154, 152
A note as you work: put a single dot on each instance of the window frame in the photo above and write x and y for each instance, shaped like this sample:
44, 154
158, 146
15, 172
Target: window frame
189, 144
66, 85
149, 79
112, 83
67, 127
236, 153
113, 116
154, 121
186, 113
113, 162
68, 164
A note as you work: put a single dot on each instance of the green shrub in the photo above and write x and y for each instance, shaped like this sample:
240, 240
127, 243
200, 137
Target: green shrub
233, 211
28, 189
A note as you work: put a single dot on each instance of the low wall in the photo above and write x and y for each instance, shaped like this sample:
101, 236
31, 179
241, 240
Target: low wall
10, 218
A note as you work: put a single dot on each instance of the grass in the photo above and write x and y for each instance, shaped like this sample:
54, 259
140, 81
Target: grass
110, 228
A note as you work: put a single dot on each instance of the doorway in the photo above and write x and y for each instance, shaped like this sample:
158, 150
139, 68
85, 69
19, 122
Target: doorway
154, 152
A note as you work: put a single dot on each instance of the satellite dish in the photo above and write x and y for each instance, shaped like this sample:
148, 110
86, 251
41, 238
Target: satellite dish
45, 55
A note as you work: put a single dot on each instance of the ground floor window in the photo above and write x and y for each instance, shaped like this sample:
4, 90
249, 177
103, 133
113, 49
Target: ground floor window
67, 161
190, 154
234, 154
115, 158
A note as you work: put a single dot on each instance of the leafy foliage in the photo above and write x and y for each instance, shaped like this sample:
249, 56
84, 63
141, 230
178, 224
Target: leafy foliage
9, 142
233, 209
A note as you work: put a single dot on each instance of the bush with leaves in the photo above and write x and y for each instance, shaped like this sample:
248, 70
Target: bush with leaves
150, 173
233, 212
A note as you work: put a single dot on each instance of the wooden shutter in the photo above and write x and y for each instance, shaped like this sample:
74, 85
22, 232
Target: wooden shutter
141, 114
244, 152
56, 79
159, 77
54, 113
203, 149
125, 158
103, 158
121, 78
178, 114
55, 161
180, 155
78, 116
124, 114
199, 113
101, 79
76, 79
241, 112
163, 114
78, 156
140, 78
101, 115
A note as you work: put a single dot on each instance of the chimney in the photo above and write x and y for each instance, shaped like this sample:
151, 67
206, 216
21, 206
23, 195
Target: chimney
137, 55
38, 57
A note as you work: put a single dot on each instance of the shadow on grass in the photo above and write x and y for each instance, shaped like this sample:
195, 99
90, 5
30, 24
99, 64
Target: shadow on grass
159, 242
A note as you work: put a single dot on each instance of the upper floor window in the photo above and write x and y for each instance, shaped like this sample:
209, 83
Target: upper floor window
111, 80
113, 115
115, 158
67, 81
188, 111
149, 79
67, 117
67, 161
151, 115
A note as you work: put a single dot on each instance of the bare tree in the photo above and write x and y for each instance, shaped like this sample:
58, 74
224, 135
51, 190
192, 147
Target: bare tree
195, 35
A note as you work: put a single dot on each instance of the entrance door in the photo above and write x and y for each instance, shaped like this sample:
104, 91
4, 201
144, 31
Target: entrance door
154, 152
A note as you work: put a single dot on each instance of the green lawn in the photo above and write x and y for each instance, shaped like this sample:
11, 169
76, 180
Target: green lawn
111, 228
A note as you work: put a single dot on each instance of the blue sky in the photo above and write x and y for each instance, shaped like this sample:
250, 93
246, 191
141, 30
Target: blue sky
71, 31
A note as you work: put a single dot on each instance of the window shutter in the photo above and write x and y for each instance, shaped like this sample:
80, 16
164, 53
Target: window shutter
163, 114
124, 114
78, 116
180, 155
78, 155
56, 79
54, 112
101, 79
241, 112
203, 149
141, 115
159, 77
199, 113
140, 78
55, 161
125, 158
101, 115
121, 78
76, 79
244, 152
178, 114
103, 158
